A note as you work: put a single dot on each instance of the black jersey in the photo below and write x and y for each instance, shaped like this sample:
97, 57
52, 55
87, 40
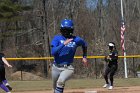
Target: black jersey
113, 58
1, 62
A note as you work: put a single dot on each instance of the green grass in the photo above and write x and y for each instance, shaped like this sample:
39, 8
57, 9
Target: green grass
73, 83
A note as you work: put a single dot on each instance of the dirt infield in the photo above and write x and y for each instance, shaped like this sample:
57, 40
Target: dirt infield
134, 89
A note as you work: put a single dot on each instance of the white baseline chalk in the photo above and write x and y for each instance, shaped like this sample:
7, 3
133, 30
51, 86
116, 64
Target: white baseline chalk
90, 91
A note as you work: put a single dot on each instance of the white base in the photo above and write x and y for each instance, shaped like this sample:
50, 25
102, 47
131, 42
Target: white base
90, 91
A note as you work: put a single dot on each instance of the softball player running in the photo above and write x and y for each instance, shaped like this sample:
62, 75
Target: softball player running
63, 49
3, 82
111, 68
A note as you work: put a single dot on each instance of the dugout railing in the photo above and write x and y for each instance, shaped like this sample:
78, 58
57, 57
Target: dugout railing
96, 65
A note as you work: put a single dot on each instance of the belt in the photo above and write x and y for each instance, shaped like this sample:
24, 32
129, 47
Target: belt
62, 65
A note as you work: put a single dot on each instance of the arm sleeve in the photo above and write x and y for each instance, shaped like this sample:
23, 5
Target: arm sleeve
84, 51
84, 47
55, 47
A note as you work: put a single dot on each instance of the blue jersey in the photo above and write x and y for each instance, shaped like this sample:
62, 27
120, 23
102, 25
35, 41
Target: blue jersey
64, 54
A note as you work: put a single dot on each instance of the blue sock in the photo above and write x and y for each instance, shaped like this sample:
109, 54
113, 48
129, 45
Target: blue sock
4, 87
59, 90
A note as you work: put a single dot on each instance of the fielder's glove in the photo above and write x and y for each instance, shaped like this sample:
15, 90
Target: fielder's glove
107, 58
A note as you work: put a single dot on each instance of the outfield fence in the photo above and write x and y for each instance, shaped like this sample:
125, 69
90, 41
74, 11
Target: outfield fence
41, 66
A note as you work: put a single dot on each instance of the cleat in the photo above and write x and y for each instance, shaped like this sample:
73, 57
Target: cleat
10, 88
110, 87
106, 85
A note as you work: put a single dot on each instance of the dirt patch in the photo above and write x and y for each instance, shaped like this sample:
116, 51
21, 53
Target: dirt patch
133, 89
25, 76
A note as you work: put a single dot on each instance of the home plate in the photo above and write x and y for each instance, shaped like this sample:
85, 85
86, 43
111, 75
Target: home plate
90, 91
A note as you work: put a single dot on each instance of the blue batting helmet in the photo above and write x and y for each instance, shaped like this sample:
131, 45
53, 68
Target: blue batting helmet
67, 23
67, 28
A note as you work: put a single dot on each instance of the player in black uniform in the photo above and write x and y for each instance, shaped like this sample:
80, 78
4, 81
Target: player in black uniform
3, 82
112, 65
